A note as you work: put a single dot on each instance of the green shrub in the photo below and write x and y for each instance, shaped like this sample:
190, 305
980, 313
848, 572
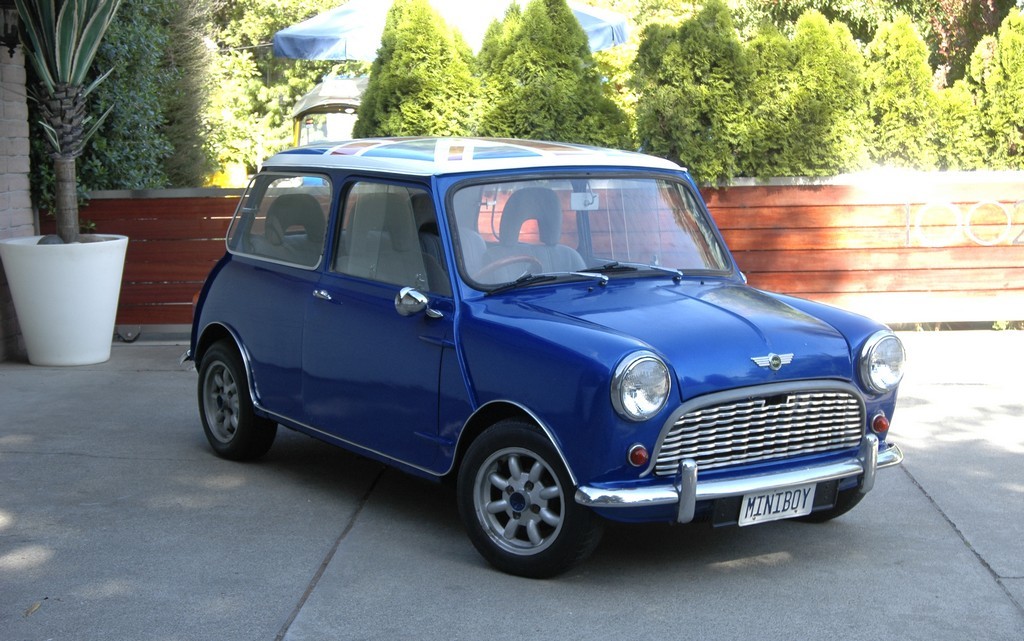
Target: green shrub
900, 100
692, 82
540, 81
421, 82
997, 75
959, 140
807, 117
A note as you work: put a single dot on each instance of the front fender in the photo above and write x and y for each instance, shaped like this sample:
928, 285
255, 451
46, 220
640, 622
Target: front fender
560, 374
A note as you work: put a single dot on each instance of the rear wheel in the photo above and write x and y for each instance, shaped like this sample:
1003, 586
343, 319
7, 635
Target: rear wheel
516, 501
231, 426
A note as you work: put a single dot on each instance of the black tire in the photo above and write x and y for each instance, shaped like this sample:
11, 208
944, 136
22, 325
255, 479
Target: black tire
846, 501
517, 503
225, 406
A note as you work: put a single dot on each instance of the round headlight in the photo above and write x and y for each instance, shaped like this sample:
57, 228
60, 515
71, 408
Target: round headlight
882, 361
640, 386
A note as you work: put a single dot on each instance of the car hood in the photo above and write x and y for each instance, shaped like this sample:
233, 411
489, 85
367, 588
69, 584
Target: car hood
709, 332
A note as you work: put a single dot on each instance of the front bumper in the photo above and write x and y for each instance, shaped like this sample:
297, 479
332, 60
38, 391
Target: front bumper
686, 491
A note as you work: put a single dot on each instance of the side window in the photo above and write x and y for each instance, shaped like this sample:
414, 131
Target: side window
389, 234
283, 219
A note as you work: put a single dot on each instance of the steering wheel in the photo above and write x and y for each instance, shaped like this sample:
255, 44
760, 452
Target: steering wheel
530, 261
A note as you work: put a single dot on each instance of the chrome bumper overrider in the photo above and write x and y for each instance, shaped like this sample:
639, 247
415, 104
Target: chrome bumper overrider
686, 490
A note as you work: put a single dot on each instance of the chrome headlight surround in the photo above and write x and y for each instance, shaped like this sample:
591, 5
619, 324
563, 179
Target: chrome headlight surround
640, 386
881, 362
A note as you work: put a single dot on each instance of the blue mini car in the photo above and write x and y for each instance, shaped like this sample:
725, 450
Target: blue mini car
559, 330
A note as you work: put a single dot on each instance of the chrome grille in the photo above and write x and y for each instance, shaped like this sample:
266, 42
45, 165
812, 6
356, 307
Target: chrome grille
763, 428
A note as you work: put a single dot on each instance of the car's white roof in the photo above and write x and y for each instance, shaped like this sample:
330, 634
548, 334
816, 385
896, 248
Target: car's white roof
437, 156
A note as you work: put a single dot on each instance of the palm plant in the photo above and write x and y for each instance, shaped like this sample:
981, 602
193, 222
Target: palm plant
62, 37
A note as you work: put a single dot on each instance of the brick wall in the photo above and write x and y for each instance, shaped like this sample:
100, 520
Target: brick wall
16, 217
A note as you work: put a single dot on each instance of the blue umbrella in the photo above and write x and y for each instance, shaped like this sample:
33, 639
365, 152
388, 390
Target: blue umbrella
352, 31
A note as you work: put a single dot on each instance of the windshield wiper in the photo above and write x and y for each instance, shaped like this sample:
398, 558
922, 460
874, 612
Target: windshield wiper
522, 281
533, 279
616, 266
585, 274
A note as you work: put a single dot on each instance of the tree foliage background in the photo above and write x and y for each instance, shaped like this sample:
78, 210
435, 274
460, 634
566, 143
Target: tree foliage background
421, 82
726, 87
541, 81
247, 117
900, 100
695, 80
806, 87
821, 100
152, 138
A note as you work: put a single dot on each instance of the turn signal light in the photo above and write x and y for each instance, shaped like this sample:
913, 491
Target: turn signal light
638, 456
880, 424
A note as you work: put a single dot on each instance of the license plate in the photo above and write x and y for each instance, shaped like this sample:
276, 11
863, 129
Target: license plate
773, 505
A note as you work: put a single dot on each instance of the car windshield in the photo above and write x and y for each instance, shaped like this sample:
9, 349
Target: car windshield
638, 225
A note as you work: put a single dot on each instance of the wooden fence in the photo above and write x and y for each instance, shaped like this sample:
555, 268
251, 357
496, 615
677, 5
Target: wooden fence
901, 248
175, 238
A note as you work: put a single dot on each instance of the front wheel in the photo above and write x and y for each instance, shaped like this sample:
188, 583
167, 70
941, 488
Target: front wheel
232, 427
516, 502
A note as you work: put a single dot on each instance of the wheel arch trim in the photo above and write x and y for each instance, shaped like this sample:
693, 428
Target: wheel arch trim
214, 333
507, 408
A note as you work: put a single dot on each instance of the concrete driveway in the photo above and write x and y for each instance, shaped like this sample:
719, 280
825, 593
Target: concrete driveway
116, 522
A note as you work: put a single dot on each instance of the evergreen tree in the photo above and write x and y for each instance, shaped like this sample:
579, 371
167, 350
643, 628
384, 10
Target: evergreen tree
421, 83
959, 139
497, 44
952, 28
541, 81
861, 16
774, 83
808, 117
190, 162
900, 99
997, 74
692, 82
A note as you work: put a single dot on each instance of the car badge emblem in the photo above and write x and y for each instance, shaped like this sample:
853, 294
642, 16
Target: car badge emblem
773, 361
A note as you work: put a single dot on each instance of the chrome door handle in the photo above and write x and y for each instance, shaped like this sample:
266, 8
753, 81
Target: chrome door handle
322, 294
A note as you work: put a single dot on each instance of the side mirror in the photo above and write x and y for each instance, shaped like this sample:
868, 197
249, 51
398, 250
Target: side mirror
411, 301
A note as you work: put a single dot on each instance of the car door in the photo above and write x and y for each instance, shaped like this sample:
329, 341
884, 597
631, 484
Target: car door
370, 372
277, 241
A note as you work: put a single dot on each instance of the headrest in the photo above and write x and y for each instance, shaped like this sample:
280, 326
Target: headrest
387, 212
533, 203
295, 210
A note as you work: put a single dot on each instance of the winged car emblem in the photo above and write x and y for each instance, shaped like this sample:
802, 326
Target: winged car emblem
773, 361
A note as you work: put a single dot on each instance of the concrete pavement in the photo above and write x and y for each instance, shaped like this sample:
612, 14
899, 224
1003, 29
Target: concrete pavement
117, 522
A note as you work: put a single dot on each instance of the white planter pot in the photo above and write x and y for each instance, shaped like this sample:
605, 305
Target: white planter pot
65, 296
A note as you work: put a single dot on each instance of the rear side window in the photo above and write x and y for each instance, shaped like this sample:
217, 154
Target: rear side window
282, 218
